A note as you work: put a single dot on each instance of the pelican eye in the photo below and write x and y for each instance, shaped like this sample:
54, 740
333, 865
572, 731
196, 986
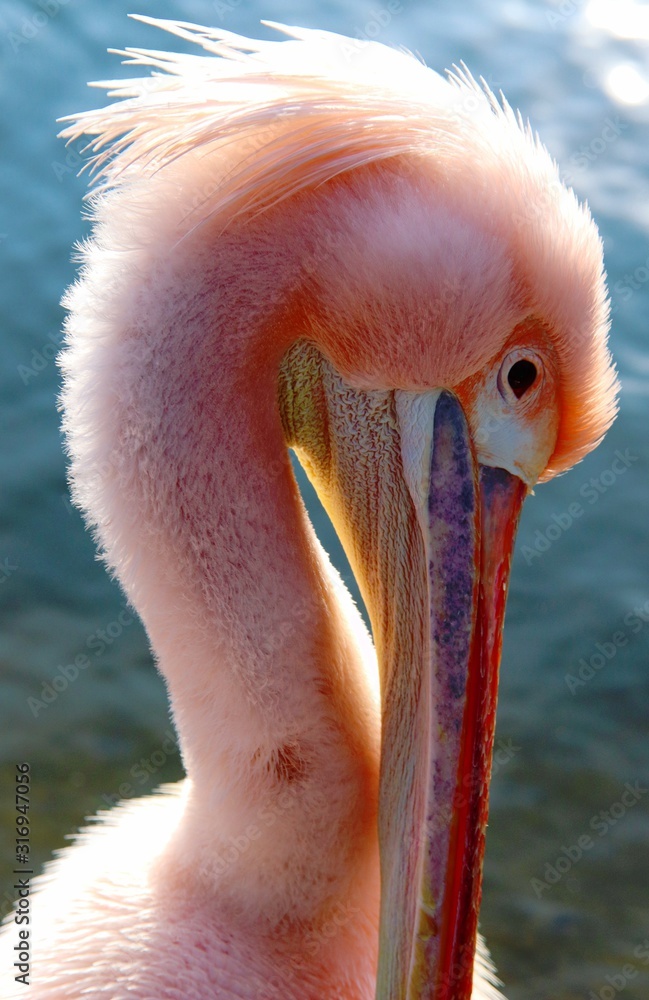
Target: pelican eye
521, 377
520, 372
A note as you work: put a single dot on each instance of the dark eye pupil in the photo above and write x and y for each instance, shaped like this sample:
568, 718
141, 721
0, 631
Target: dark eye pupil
522, 375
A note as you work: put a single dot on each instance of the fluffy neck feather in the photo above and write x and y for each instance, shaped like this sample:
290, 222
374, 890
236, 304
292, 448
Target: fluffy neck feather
179, 457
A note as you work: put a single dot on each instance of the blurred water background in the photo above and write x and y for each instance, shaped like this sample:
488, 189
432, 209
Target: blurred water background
563, 921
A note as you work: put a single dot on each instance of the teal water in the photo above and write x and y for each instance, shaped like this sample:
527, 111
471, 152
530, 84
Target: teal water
564, 921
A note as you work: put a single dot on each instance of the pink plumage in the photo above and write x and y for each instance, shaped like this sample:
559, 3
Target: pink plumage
412, 229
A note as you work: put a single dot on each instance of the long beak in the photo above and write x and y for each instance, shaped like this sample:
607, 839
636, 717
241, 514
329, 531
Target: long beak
429, 534
439, 708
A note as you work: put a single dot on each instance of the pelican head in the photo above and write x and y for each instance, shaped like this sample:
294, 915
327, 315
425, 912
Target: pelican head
305, 245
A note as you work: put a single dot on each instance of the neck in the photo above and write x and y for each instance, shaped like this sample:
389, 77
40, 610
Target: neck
264, 654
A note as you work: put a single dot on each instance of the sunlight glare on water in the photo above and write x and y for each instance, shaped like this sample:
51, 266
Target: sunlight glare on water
627, 84
621, 18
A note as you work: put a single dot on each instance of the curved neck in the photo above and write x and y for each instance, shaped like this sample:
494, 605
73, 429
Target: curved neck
262, 650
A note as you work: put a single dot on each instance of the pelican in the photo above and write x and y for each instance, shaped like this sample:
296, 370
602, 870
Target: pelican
321, 245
